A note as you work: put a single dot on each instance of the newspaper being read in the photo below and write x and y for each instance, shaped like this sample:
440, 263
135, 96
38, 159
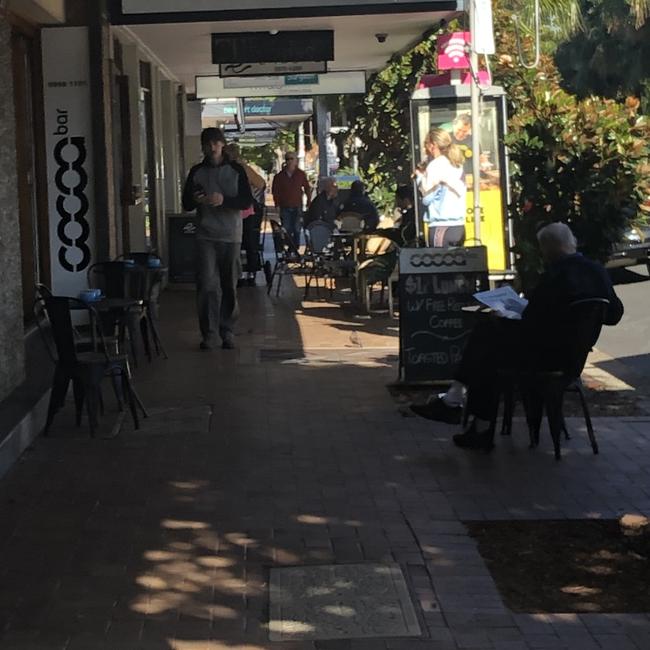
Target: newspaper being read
504, 301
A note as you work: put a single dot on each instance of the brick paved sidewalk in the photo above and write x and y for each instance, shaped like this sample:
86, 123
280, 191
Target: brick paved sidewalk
288, 451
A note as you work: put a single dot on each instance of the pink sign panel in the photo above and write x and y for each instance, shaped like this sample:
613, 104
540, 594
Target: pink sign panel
452, 51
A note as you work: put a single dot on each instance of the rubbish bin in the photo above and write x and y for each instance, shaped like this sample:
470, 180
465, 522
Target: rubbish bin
182, 249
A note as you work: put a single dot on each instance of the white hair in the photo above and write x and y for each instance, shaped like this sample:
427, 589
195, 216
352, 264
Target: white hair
557, 239
326, 181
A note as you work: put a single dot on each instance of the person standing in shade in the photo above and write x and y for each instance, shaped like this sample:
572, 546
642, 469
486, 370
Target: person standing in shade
287, 188
218, 189
252, 218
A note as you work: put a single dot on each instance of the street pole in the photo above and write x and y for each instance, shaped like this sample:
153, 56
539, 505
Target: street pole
323, 127
301, 145
475, 107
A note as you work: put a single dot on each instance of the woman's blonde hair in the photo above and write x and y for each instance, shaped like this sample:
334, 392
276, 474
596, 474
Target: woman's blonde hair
442, 140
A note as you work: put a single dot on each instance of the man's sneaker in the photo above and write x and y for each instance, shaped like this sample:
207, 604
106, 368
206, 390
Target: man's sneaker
228, 342
439, 411
206, 344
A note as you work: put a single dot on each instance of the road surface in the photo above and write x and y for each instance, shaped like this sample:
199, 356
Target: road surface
629, 341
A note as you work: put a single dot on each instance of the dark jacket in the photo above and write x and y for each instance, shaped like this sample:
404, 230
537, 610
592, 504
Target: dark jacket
222, 223
362, 205
322, 208
547, 320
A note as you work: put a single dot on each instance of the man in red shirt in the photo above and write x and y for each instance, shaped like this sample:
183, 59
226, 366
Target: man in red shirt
288, 186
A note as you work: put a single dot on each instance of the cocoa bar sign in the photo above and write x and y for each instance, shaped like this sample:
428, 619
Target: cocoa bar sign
69, 156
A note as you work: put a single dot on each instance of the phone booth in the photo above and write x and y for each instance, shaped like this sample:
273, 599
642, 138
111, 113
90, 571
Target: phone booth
448, 107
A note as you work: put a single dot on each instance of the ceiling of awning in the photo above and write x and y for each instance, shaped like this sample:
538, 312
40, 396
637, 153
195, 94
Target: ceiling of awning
185, 48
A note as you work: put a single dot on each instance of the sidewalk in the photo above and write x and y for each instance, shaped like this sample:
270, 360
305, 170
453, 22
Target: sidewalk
288, 451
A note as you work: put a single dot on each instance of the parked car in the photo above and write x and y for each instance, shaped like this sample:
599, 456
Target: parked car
633, 249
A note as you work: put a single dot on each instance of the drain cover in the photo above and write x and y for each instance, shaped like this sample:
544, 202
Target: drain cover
340, 601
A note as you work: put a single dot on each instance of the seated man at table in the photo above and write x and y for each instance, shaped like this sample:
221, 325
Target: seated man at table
359, 202
536, 342
324, 206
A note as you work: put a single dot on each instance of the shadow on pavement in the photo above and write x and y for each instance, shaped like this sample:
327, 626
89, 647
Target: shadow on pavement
627, 276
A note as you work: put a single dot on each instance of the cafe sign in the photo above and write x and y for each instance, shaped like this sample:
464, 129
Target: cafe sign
69, 156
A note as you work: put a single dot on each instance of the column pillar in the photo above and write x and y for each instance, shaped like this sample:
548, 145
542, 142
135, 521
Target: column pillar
12, 350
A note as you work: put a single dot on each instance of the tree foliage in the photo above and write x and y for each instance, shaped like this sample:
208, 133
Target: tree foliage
611, 57
579, 159
381, 120
582, 161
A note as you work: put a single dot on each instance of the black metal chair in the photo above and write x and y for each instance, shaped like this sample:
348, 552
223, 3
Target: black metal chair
544, 390
319, 259
117, 280
147, 288
288, 260
85, 370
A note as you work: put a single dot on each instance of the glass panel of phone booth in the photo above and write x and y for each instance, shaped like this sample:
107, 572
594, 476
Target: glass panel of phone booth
453, 115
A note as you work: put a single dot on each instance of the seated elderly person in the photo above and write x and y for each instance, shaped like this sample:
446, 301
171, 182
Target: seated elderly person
325, 205
359, 202
538, 341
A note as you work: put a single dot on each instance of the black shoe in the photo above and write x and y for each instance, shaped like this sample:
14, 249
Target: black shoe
471, 439
228, 342
206, 345
439, 411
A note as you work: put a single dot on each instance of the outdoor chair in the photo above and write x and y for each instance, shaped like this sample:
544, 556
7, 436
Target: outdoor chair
83, 341
116, 280
85, 370
544, 390
319, 259
377, 267
288, 260
350, 222
147, 288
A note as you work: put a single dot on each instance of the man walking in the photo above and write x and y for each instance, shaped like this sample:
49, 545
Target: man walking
217, 188
288, 186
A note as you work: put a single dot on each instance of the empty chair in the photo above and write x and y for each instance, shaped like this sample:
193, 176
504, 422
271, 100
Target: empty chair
288, 260
351, 222
85, 370
319, 262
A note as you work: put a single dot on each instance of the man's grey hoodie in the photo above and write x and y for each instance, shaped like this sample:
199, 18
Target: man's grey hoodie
222, 223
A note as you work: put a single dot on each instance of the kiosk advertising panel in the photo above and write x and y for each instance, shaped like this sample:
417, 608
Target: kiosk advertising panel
431, 108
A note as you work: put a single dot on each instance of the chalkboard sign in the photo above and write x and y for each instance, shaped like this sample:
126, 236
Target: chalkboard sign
182, 247
434, 286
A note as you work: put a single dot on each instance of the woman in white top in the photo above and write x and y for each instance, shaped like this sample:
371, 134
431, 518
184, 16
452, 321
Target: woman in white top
443, 190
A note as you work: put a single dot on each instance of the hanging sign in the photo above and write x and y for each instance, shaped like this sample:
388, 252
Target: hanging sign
68, 141
273, 47
260, 69
332, 83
